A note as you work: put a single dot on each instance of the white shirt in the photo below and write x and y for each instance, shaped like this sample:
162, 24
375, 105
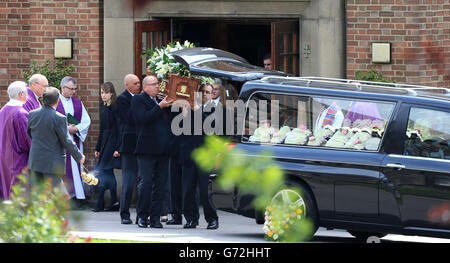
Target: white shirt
216, 101
14, 102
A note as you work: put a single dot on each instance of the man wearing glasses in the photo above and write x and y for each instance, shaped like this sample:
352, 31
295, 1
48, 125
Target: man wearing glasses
153, 138
36, 86
79, 122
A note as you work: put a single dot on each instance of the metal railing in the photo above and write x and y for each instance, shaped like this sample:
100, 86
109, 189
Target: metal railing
358, 85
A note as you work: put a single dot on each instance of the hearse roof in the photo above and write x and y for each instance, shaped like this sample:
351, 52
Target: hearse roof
334, 86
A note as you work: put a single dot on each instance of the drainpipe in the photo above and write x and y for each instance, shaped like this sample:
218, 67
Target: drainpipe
344, 25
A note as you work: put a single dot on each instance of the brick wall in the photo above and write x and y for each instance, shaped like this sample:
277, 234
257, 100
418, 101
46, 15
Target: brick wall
27, 32
419, 31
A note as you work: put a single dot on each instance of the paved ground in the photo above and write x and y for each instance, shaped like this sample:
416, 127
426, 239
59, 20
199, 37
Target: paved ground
233, 229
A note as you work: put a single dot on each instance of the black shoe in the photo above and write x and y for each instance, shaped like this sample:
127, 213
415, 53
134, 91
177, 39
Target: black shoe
214, 224
126, 221
155, 223
76, 204
190, 224
113, 207
142, 223
96, 209
174, 222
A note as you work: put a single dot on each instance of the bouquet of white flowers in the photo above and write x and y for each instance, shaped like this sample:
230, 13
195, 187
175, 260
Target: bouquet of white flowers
320, 136
279, 136
357, 141
340, 138
297, 136
162, 62
262, 134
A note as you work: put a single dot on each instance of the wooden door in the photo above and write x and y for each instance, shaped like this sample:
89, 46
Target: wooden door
148, 35
285, 46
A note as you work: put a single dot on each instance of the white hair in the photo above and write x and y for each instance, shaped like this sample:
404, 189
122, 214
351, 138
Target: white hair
35, 78
15, 88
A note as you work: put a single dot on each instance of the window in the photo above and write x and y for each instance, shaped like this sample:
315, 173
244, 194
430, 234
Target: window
316, 121
428, 134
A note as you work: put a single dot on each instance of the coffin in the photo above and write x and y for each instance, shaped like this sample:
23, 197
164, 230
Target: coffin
183, 88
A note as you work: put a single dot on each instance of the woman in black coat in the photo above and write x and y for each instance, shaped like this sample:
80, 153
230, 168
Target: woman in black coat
107, 148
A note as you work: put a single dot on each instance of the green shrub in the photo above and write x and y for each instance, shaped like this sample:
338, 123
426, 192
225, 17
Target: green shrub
54, 74
38, 216
258, 176
372, 75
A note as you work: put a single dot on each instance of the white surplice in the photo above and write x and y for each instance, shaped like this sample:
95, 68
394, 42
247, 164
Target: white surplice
83, 128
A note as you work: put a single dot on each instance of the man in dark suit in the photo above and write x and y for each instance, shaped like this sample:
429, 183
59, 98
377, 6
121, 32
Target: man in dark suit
127, 144
153, 138
50, 139
192, 175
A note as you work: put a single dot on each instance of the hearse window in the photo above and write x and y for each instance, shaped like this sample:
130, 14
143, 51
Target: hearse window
316, 121
428, 134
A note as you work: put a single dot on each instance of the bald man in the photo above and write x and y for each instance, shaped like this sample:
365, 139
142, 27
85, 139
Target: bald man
127, 137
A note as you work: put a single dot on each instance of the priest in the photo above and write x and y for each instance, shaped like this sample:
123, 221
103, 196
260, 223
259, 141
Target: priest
14, 141
78, 125
36, 86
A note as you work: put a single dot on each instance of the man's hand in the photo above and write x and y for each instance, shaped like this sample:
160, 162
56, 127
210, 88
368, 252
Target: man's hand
166, 102
73, 129
82, 159
116, 154
96, 154
184, 105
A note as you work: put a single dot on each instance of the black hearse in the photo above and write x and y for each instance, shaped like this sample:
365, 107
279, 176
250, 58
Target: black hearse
372, 158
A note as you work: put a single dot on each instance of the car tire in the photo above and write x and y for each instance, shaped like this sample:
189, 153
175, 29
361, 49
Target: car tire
363, 236
307, 198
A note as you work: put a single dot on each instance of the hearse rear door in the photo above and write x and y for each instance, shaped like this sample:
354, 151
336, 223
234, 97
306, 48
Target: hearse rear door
419, 184
222, 64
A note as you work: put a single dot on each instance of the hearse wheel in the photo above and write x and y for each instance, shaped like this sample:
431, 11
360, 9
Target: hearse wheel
363, 236
294, 193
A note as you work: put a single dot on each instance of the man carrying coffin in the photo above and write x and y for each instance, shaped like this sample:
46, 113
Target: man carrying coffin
78, 125
152, 150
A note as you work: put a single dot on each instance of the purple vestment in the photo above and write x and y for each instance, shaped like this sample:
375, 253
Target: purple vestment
32, 103
363, 110
14, 146
77, 112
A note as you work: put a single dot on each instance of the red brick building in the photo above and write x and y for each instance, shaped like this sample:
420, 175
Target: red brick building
418, 30
27, 32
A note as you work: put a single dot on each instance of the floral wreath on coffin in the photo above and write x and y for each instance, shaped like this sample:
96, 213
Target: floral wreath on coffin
161, 62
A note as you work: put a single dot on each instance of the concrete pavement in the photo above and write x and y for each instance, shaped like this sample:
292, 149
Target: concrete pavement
233, 229
106, 225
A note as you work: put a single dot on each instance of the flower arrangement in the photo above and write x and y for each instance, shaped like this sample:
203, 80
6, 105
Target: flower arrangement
162, 62
280, 220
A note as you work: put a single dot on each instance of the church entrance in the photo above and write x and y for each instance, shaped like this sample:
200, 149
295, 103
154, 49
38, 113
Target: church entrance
251, 39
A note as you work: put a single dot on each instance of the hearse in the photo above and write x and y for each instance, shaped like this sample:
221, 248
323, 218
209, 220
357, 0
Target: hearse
371, 158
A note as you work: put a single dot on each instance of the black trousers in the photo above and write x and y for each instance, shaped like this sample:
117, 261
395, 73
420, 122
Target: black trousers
176, 190
176, 197
129, 175
192, 177
107, 181
153, 172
